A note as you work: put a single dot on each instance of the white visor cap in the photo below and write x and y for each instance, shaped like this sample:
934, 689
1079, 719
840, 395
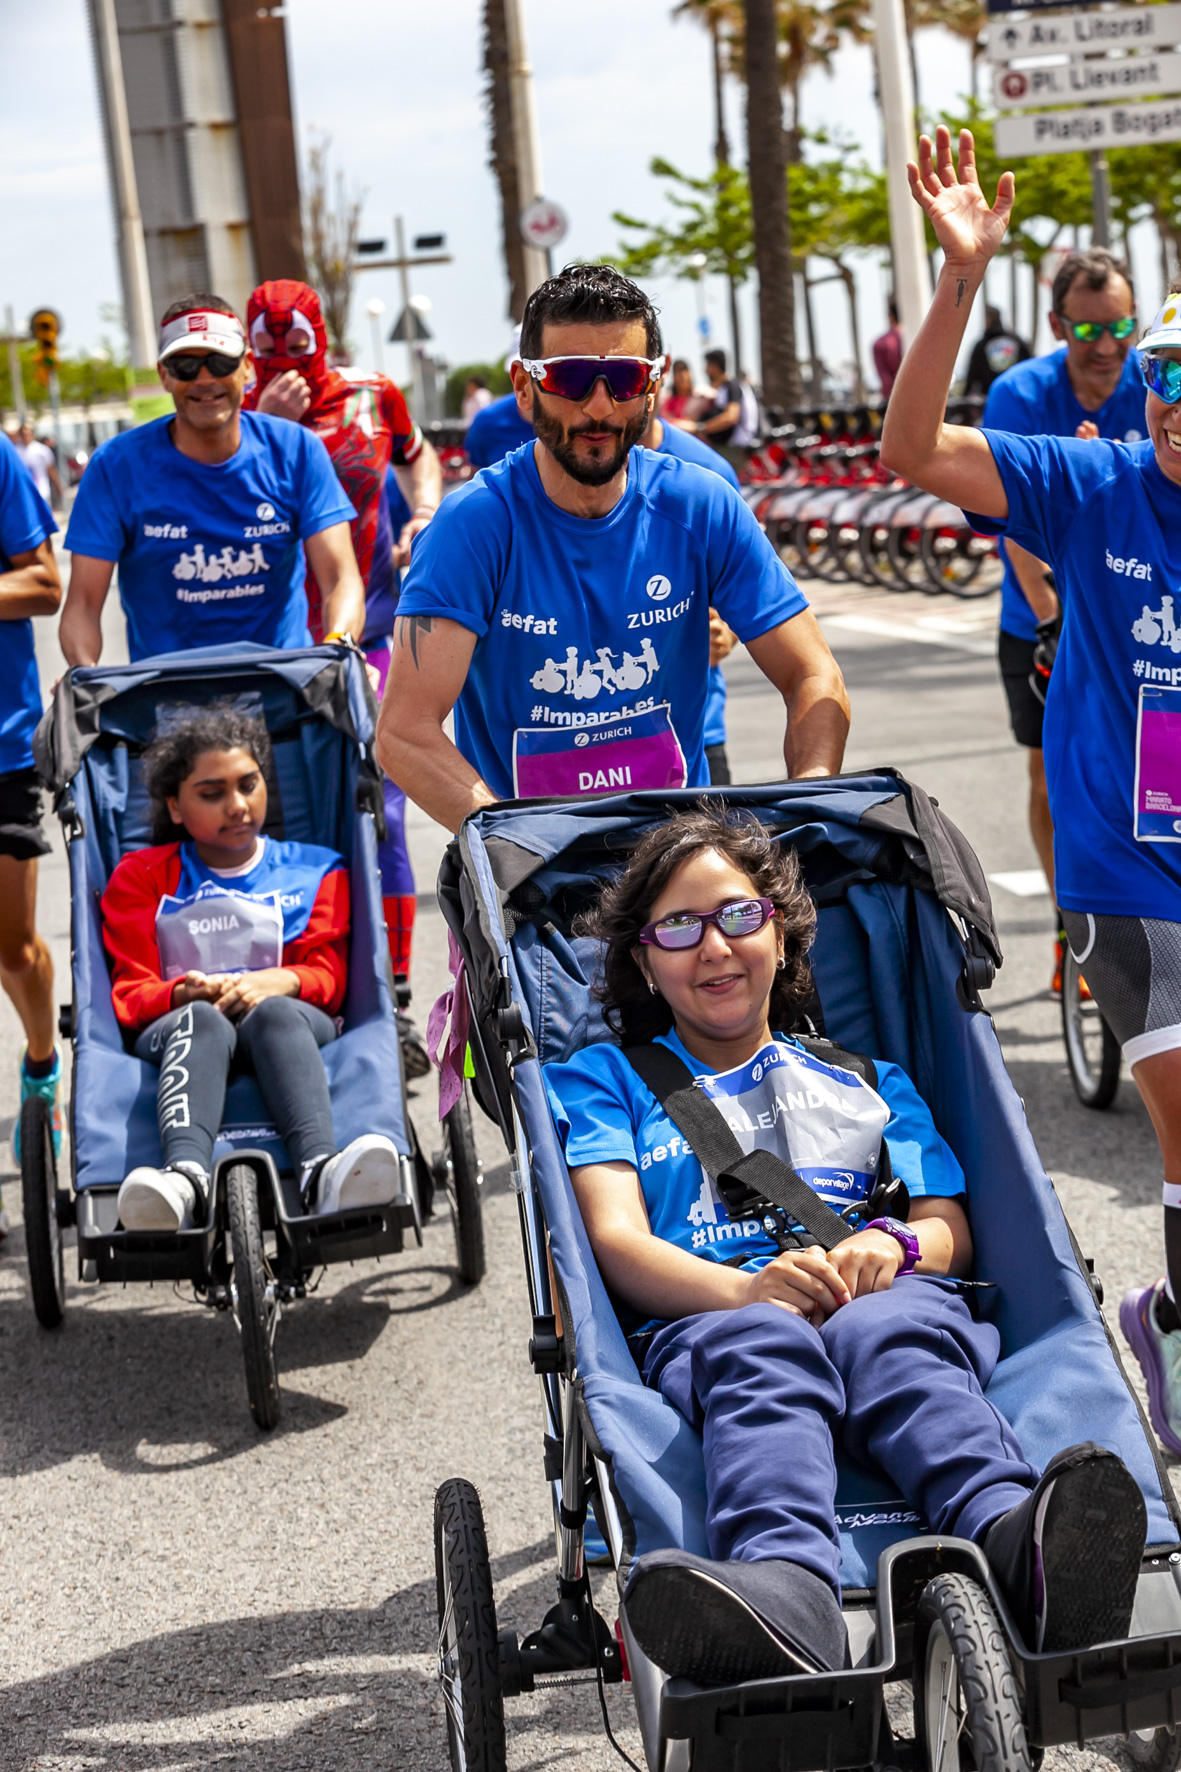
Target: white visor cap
202, 331
1164, 333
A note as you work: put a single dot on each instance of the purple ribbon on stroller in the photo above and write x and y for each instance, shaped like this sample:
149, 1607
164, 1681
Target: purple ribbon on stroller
451, 1007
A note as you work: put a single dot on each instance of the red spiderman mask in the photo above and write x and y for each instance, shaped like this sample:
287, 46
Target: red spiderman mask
286, 330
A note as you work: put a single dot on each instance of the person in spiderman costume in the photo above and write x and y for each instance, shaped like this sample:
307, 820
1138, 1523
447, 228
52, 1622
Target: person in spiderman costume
364, 423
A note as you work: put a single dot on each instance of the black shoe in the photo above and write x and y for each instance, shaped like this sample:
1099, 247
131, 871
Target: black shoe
1068, 1557
721, 1623
414, 1053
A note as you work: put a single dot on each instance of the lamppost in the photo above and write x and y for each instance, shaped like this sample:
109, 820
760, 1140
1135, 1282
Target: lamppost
697, 264
375, 309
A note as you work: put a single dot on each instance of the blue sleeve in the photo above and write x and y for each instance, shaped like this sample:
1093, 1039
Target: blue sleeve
459, 559
1047, 481
749, 585
97, 526
594, 1109
25, 518
322, 501
918, 1155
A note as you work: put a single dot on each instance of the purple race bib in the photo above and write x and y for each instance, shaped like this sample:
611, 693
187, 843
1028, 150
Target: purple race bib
1158, 766
635, 751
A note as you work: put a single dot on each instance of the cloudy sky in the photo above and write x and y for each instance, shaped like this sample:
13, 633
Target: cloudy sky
397, 85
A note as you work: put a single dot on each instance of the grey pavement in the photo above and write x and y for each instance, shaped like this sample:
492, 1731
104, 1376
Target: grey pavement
177, 1591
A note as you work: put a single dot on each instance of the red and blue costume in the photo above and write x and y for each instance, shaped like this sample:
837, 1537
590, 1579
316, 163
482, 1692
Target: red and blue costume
366, 427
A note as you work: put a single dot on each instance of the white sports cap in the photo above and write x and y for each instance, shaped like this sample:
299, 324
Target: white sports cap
1164, 333
201, 330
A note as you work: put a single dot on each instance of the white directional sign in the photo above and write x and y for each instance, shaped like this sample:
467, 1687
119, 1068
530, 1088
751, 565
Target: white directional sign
1085, 32
1096, 126
1119, 77
543, 224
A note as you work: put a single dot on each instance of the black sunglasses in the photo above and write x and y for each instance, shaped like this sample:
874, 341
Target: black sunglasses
187, 365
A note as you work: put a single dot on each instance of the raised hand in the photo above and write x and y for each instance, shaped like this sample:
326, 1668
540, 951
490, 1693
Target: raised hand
967, 227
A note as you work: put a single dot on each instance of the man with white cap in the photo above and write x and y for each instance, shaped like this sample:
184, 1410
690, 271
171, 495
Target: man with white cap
207, 513
1106, 517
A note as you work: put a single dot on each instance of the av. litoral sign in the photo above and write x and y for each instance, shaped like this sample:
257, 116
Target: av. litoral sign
1118, 77
1085, 32
1096, 126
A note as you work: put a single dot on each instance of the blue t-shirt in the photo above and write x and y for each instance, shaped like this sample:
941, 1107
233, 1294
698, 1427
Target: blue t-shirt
209, 555
495, 431
687, 447
583, 622
292, 871
25, 522
1035, 399
604, 1114
1109, 523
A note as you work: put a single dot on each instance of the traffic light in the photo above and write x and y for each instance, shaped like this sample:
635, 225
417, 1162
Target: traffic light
44, 326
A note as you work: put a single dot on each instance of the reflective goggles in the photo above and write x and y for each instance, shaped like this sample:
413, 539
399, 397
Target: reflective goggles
1163, 375
298, 341
1088, 332
573, 378
187, 365
686, 929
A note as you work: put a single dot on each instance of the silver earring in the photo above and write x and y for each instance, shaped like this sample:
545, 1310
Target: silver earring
652, 988
780, 963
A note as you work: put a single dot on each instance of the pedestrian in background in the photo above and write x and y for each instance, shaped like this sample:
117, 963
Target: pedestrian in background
888, 351
475, 397
997, 349
41, 462
681, 403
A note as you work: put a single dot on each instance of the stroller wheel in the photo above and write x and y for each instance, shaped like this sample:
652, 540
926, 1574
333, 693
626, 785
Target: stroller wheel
256, 1302
1092, 1050
1155, 1750
469, 1654
43, 1237
967, 1711
463, 1178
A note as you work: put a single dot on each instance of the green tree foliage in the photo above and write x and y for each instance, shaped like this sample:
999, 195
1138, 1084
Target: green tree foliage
494, 375
84, 380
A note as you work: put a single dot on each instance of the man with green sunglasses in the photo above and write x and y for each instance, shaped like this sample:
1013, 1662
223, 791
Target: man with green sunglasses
1092, 387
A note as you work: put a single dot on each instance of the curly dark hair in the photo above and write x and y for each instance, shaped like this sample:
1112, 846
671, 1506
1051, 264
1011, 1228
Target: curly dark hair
597, 294
625, 905
170, 758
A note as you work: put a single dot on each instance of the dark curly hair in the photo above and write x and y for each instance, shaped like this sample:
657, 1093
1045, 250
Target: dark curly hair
170, 758
625, 905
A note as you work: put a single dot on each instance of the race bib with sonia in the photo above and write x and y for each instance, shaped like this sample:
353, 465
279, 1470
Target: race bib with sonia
219, 930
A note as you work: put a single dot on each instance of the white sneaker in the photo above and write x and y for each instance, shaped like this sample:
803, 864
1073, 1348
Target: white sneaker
157, 1200
365, 1173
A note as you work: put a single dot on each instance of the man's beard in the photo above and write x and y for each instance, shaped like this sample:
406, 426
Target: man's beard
559, 440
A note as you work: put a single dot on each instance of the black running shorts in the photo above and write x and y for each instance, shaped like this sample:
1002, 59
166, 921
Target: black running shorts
21, 835
1132, 966
1025, 710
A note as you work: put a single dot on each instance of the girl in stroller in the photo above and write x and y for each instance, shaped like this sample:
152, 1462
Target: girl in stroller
776, 1354
230, 949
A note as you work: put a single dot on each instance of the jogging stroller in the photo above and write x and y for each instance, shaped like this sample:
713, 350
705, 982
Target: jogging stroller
258, 1247
905, 944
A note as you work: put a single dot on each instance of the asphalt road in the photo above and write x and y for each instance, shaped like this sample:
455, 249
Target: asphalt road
177, 1591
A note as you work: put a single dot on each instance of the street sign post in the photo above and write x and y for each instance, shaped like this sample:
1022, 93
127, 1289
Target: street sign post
1098, 77
1086, 31
543, 225
1093, 127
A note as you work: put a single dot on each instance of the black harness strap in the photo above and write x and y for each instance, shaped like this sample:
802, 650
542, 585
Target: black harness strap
737, 1174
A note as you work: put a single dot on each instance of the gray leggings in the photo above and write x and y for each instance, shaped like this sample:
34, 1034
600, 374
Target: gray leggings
196, 1046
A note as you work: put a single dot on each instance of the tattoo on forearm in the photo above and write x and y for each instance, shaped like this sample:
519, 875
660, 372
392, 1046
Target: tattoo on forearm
409, 628
961, 285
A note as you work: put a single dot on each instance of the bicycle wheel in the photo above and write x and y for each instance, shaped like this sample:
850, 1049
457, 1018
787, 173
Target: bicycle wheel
811, 547
43, 1237
461, 1172
469, 1654
1092, 1050
967, 1711
904, 552
873, 542
252, 1288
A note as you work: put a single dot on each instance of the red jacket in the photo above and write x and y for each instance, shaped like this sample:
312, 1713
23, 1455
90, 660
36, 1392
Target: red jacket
319, 956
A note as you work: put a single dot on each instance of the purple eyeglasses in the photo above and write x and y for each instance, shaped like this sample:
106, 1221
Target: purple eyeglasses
686, 929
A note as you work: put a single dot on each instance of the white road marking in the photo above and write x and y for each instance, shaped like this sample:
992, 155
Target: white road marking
900, 630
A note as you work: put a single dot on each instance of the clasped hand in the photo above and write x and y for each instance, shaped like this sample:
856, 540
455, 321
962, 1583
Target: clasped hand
235, 992
813, 1283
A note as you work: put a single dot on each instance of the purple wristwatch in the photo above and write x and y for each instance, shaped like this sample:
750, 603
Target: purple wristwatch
894, 1227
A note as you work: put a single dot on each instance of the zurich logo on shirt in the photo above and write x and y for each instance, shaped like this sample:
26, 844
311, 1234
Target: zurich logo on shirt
658, 587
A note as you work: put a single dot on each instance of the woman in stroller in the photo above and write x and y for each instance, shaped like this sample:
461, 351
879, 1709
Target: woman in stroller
777, 1354
231, 949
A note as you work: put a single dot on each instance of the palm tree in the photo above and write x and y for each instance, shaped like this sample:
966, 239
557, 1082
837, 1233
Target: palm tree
767, 170
722, 19
503, 155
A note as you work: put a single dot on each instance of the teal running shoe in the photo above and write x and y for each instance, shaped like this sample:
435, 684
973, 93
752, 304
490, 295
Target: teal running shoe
1159, 1354
49, 1089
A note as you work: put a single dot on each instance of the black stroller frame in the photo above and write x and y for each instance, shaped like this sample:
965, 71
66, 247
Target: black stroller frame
936, 1617
258, 1247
